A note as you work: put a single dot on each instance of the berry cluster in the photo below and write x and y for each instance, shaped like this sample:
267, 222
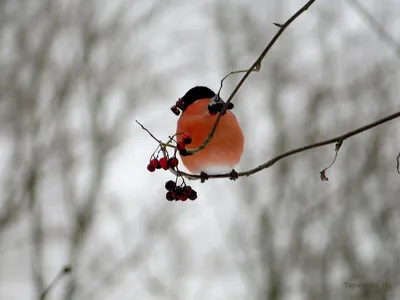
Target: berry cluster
182, 192
175, 192
178, 107
163, 163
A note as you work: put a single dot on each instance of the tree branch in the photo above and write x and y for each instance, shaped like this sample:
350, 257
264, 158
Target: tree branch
256, 66
269, 163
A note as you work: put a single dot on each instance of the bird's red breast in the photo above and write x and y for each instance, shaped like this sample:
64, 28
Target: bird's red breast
224, 150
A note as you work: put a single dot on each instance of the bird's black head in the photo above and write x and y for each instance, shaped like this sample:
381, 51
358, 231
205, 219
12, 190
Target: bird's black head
196, 93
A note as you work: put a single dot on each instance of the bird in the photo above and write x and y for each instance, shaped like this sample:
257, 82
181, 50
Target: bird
200, 107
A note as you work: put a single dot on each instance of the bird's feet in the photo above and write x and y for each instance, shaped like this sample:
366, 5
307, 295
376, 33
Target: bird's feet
203, 176
234, 175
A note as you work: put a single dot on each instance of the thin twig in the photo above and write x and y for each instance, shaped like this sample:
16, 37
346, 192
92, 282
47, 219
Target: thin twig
64, 271
323, 172
379, 29
256, 65
235, 72
148, 131
156, 139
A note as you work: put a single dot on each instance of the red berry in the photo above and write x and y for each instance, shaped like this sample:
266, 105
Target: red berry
170, 185
181, 145
169, 196
187, 190
193, 195
173, 162
151, 168
186, 139
183, 152
183, 197
164, 163
178, 192
154, 162
180, 104
175, 110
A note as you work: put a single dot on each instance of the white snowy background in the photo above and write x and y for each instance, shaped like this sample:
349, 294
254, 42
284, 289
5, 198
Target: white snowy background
75, 75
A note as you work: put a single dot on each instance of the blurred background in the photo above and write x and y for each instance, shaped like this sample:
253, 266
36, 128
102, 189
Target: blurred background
74, 75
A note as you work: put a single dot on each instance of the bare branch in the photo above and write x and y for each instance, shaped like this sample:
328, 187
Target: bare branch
156, 139
272, 161
64, 271
256, 66
148, 131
